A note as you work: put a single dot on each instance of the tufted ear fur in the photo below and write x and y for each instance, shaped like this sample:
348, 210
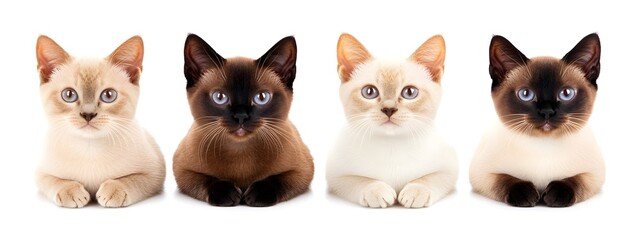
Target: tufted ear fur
431, 55
351, 53
129, 56
503, 57
281, 58
198, 58
586, 56
50, 55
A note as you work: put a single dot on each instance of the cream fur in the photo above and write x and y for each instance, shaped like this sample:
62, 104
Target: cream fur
536, 159
117, 161
373, 164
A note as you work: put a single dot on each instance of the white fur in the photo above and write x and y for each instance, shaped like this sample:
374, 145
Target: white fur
536, 159
372, 166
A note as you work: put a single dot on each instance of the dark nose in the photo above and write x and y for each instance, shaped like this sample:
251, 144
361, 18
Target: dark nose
389, 111
547, 112
241, 117
88, 116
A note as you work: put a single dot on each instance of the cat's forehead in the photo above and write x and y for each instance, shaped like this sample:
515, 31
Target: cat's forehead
88, 73
546, 72
239, 73
392, 74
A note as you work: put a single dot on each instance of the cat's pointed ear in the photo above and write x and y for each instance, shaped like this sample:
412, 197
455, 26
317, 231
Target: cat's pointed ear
351, 53
431, 55
281, 58
503, 57
50, 55
198, 58
129, 56
586, 56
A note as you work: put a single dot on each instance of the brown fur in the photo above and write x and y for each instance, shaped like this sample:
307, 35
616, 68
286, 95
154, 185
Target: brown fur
271, 149
504, 95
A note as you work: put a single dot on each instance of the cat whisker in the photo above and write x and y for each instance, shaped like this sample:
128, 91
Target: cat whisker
212, 134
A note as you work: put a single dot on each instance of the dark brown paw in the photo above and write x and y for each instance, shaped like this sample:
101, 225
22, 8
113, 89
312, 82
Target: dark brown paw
522, 194
559, 194
224, 193
263, 193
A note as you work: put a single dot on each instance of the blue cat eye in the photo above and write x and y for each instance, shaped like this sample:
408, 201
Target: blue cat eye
409, 92
109, 95
526, 94
566, 94
262, 98
69, 95
219, 98
369, 92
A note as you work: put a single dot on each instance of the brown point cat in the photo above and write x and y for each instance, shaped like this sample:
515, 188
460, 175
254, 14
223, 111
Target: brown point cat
543, 151
241, 147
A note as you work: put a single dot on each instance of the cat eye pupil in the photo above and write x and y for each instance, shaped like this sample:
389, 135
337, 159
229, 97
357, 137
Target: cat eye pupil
108, 95
409, 92
219, 98
526, 94
69, 95
369, 92
567, 94
262, 98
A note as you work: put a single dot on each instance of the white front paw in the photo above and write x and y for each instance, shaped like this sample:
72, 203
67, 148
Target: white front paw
415, 195
378, 195
112, 193
72, 195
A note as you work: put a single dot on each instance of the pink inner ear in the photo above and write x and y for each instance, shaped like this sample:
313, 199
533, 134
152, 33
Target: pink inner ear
351, 53
431, 55
129, 56
49, 55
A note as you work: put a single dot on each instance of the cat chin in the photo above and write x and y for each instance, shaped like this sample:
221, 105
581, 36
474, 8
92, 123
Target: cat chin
90, 133
390, 129
240, 135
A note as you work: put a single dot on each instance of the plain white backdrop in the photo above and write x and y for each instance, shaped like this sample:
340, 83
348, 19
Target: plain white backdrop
386, 28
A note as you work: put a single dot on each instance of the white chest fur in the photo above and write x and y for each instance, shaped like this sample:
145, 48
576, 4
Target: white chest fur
93, 161
537, 159
395, 160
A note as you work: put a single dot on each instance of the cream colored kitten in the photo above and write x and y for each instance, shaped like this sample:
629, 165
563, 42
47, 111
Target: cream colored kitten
94, 147
390, 148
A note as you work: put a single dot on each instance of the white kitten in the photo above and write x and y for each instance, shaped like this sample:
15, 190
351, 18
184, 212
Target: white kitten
94, 146
390, 148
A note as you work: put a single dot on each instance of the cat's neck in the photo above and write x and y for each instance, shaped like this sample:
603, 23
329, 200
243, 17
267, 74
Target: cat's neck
400, 136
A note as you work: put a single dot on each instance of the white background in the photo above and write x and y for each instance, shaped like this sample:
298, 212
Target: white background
239, 28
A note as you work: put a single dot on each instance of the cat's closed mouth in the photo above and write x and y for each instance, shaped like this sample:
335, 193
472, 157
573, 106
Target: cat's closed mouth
389, 123
240, 132
89, 126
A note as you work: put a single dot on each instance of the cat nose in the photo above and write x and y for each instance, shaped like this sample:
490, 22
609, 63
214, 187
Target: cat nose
88, 116
241, 117
389, 111
547, 113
